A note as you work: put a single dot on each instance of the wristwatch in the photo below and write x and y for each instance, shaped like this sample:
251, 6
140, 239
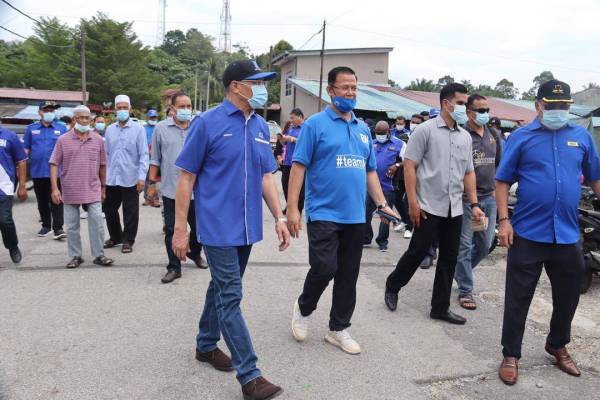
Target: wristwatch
473, 205
281, 219
397, 165
382, 206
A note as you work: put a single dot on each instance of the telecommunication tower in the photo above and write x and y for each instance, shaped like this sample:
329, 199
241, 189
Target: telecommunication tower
225, 36
160, 27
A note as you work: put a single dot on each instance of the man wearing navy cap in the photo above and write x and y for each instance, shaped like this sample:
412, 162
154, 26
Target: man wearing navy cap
547, 159
227, 162
39, 140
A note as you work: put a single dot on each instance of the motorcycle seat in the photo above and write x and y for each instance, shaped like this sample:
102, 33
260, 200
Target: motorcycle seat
592, 213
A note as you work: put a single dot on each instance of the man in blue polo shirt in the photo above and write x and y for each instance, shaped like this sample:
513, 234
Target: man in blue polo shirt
12, 154
547, 159
40, 138
227, 162
335, 152
388, 153
400, 127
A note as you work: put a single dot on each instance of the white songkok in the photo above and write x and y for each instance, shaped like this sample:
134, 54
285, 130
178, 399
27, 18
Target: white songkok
122, 98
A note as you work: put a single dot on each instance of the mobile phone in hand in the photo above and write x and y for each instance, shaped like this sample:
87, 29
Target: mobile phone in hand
387, 216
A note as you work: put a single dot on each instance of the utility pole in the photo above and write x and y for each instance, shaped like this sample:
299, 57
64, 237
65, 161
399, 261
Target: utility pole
265, 107
83, 80
321, 74
196, 90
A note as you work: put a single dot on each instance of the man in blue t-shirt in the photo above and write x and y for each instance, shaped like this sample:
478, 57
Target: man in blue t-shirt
40, 138
289, 141
335, 152
388, 153
12, 157
227, 162
547, 159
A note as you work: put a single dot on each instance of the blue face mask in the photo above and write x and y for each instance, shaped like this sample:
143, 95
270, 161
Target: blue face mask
555, 119
259, 96
82, 128
122, 115
343, 104
48, 116
184, 114
100, 126
482, 119
460, 114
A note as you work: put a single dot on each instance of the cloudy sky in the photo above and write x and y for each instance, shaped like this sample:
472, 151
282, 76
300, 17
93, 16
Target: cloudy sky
481, 41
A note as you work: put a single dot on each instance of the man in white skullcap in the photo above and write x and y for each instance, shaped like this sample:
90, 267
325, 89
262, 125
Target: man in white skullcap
127, 156
80, 157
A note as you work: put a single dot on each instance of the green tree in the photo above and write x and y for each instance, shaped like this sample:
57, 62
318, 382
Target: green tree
263, 60
506, 89
173, 71
174, 41
443, 81
12, 56
591, 85
117, 62
543, 77
423, 85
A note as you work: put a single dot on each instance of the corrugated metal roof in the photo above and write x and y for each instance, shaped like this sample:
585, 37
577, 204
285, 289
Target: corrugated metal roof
530, 105
31, 112
291, 54
369, 98
34, 94
596, 122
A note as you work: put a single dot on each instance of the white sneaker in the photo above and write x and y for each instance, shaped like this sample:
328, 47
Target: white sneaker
343, 340
299, 324
407, 234
83, 215
400, 227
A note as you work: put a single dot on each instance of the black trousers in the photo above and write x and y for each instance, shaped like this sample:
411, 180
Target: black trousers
50, 213
334, 252
285, 180
564, 265
7, 223
169, 215
401, 204
130, 198
384, 229
447, 232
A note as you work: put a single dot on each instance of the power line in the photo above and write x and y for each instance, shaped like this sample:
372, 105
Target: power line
14, 33
36, 39
19, 11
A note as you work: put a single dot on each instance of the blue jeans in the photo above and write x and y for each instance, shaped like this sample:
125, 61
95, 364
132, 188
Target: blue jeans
474, 246
222, 313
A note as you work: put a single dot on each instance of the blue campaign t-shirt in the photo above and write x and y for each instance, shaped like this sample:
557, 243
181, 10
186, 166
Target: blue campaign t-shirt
294, 131
387, 154
548, 166
40, 141
229, 155
337, 155
11, 152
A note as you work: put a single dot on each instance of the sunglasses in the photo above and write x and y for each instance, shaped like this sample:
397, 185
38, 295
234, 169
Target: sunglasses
481, 110
557, 106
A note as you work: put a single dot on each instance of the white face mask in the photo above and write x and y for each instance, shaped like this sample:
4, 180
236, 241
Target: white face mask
413, 126
399, 126
381, 138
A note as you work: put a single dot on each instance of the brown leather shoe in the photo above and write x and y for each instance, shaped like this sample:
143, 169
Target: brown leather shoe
260, 389
171, 276
509, 370
199, 261
219, 360
564, 360
127, 248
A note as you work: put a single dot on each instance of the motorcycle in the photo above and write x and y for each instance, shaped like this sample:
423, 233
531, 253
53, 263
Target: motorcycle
589, 227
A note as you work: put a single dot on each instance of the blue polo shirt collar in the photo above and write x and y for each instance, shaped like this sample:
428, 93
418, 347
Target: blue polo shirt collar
333, 115
537, 124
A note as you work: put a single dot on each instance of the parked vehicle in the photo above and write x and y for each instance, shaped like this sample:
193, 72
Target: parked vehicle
589, 226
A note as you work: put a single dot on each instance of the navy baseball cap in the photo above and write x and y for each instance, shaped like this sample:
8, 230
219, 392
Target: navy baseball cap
434, 112
554, 91
152, 113
245, 70
48, 104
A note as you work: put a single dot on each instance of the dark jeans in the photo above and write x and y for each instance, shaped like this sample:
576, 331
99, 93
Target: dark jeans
50, 213
384, 229
334, 252
401, 204
285, 180
130, 198
7, 224
222, 314
564, 265
447, 232
169, 214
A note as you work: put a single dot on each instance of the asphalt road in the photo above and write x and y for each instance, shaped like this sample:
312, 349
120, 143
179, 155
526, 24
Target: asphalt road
118, 333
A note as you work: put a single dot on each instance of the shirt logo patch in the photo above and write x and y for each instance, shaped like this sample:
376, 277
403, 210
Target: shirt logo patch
57, 132
572, 144
2, 142
260, 135
35, 132
227, 134
349, 161
261, 140
364, 138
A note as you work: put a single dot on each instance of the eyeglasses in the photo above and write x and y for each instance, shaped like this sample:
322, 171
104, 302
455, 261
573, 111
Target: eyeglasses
347, 88
481, 110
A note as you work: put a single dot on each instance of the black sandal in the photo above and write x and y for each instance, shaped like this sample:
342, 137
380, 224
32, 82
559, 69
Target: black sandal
467, 302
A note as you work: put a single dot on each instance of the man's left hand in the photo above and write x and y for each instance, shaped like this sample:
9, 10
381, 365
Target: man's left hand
391, 171
283, 234
22, 193
478, 214
140, 186
388, 210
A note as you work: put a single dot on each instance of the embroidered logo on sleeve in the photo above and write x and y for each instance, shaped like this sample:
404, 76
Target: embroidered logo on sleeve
572, 144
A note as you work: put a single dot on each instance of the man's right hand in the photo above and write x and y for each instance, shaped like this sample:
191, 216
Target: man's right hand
294, 223
506, 234
416, 214
22, 193
181, 243
56, 196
